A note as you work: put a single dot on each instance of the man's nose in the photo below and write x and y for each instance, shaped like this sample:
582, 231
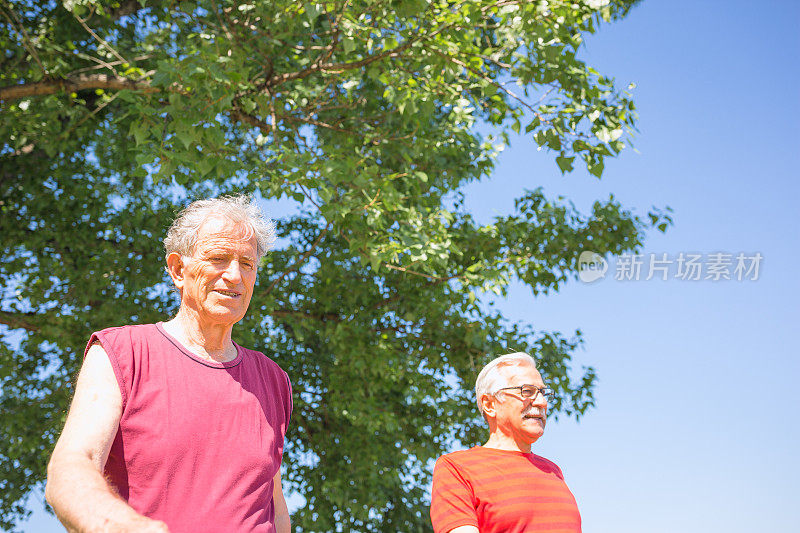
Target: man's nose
233, 274
540, 400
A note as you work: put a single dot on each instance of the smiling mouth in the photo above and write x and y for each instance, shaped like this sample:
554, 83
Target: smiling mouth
535, 414
224, 292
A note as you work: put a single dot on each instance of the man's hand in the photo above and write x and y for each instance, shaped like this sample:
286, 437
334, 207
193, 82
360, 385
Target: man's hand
76, 489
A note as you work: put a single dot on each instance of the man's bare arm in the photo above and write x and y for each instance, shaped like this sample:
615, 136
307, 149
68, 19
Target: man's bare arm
282, 524
76, 488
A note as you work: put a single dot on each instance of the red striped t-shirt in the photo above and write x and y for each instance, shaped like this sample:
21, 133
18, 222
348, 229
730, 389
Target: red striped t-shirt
501, 491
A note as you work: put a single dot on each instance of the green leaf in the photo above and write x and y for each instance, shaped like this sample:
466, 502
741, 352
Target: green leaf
140, 131
186, 135
375, 263
248, 105
565, 163
312, 11
143, 159
595, 168
535, 123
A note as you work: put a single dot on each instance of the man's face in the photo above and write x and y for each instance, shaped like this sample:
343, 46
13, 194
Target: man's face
521, 418
218, 279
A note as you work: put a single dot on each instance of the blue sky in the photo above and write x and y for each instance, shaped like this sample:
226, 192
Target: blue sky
695, 427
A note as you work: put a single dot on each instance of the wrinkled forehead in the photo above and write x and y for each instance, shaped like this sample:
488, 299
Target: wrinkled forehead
221, 231
521, 374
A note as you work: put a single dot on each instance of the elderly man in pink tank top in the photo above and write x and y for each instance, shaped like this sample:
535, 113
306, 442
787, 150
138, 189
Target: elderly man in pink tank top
174, 426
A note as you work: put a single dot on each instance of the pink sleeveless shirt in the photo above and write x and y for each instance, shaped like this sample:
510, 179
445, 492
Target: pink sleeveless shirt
198, 442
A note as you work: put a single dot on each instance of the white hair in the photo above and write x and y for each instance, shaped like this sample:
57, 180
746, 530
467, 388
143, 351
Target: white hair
182, 234
490, 380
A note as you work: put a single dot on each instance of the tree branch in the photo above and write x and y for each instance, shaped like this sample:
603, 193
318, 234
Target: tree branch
74, 84
421, 274
26, 41
341, 67
18, 320
488, 79
99, 39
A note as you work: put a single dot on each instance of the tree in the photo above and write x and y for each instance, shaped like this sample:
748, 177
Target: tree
362, 113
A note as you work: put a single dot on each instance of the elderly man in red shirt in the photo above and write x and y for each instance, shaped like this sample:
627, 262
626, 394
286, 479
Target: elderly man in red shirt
174, 426
502, 486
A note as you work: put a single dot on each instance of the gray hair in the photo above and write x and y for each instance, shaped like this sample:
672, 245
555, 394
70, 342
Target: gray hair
182, 234
490, 380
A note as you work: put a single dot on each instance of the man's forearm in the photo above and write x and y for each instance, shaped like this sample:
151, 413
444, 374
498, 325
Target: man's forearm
282, 524
84, 502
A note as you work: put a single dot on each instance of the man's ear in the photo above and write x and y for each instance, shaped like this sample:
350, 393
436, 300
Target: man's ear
488, 402
175, 269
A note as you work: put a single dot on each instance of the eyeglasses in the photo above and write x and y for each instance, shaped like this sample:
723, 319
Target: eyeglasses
531, 391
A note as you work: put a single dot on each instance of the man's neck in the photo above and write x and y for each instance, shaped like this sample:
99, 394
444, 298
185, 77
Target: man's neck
498, 441
208, 341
